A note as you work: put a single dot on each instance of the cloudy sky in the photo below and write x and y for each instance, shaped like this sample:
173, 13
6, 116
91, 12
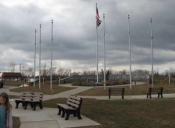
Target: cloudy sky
75, 33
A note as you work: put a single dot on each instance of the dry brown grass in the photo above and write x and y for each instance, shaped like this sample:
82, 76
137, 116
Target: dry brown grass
12, 83
127, 114
44, 88
136, 90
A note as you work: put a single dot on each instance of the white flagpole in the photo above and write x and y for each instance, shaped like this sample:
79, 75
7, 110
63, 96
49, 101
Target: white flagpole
104, 52
97, 51
35, 61
129, 34
97, 57
152, 53
40, 60
51, 86
169, 74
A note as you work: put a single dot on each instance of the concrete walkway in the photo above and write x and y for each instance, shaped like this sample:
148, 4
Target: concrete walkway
48, 118
128, 97
68, 93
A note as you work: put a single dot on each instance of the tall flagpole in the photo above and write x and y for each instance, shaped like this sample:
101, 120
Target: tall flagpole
169, 77
51, 52
97, 51
104, 51
40, 59
129, 34
35, 61
152, 53
97, 56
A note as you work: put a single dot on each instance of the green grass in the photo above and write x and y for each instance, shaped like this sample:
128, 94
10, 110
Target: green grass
44, 88
128, 114
136, 90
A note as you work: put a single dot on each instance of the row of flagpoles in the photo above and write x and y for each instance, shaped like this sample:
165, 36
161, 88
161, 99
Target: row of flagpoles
98, 23
40, 54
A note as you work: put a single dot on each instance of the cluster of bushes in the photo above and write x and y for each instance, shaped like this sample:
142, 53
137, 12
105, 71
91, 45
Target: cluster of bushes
91, 83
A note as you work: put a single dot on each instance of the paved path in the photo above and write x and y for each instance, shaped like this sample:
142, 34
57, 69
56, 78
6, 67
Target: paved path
66, 94
128, 97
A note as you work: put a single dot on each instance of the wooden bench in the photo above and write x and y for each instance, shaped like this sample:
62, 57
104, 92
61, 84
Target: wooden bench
72, 106
158, 91
116, 91
33, 98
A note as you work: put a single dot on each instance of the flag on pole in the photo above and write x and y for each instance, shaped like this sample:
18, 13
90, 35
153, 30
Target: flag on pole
98, 21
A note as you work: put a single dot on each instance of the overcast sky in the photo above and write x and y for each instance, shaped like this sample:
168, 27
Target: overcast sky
75, 33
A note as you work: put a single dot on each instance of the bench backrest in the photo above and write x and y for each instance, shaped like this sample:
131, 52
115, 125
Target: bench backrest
32, 96
116, 91
74, 101
155, 90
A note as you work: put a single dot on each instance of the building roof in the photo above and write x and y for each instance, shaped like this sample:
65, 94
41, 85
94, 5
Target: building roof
10, 75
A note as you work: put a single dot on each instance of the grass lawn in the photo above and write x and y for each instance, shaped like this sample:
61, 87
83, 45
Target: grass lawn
128, 114
44, 88
16, 122
12, 83
136, 90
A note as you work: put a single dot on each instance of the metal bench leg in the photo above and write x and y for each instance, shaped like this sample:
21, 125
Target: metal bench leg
34, 106
17, 104
122, 96
41, 105
149, 96
63, 113
67, 115
79, 115
109, 93
25, 104
75, 114
59, 111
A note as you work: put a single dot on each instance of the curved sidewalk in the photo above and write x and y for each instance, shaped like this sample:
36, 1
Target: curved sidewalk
129, 97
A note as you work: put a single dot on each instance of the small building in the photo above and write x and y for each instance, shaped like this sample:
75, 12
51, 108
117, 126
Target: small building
10, 76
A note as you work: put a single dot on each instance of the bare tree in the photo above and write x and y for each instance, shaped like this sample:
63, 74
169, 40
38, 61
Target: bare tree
63, 72
12, 66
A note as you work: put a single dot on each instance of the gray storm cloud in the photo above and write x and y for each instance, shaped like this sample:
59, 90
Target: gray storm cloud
75, 34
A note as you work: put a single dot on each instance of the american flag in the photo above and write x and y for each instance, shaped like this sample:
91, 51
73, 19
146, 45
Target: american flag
98, 21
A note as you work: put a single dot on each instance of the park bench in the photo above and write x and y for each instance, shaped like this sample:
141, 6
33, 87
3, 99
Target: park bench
33, 98
116, 91
158, 91
72, 106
